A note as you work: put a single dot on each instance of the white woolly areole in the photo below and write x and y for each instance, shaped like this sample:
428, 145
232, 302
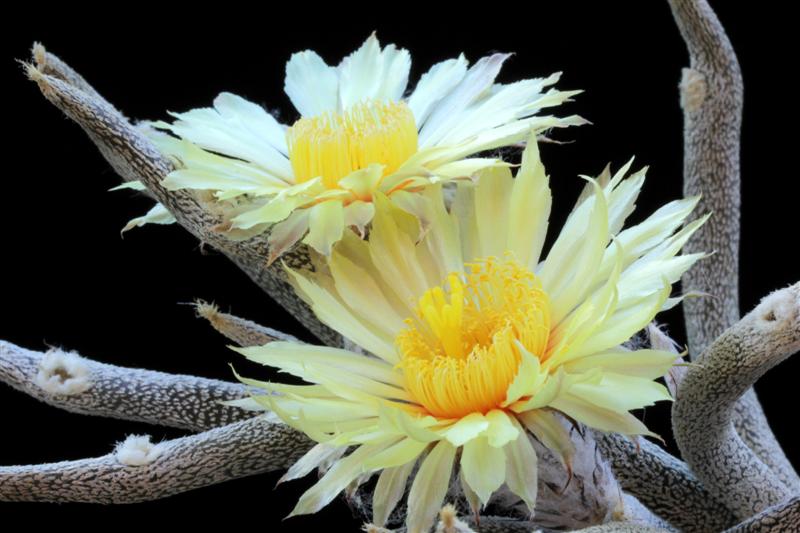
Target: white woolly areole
62, 373
137, 450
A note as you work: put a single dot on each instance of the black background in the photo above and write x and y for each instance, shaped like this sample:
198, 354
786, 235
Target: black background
69, 280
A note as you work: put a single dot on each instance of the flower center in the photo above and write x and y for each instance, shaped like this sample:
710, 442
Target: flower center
332, 145
460, 353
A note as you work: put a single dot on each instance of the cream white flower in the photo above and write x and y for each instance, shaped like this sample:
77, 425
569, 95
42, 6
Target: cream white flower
358, 135
474, 342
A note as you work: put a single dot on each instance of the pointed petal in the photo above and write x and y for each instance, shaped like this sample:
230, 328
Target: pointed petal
435, 85
403, 452
478, 79
388, 492
316, 456
325, 226
311, 84
429, 487
599, 418
466, 429
335, 480
484, 467
551, 433
334, 313
522, 469
158, 214
501, 430
529, 210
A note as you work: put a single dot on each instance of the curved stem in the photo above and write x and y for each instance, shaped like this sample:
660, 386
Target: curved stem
134, 157
237, 450
664, 484
702, 413
712, 98
73, 383
782, 517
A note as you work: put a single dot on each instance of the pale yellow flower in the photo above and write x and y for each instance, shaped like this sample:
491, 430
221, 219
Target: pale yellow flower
472, 341
359, 133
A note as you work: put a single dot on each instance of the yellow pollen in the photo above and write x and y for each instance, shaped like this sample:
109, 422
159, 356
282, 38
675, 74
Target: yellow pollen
460, 353
332, 145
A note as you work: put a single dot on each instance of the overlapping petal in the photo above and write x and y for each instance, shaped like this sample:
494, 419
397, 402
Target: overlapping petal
470, 275
243, 155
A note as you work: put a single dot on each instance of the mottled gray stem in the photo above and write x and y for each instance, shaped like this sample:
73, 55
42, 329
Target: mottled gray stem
79, 385
712, 98
702, 413
782, 517
134, 157
241, 331
664, 484
624, 527
237, 450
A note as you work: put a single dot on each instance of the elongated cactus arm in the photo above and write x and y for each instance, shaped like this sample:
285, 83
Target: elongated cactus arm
703, 411
138, 470
79, 385
664, 484
782, 517
241, 331
134, 157
712, 97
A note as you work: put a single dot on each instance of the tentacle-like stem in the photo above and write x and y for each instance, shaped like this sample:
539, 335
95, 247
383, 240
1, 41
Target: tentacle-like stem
71, 382
712, 97
623, 527
664, 484
134, 157
241, 331
782, 517
702, 413
51, 65
149, 472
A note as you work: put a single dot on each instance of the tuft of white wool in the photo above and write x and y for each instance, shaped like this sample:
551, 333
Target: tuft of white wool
63, 373
137, 450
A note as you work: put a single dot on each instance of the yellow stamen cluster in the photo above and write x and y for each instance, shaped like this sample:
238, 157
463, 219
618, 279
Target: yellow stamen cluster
460, 353
332, 145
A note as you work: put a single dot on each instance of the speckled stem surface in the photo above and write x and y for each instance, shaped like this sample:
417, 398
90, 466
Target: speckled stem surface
664, 484
712, 98
784, 517
237, 450
173, 400
134, 157
240, 330
703, 411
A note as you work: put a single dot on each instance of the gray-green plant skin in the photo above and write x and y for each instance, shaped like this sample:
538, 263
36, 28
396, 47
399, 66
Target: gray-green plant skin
736, 477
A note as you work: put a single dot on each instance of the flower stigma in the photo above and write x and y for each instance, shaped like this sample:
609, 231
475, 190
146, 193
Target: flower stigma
461, 352
332, 145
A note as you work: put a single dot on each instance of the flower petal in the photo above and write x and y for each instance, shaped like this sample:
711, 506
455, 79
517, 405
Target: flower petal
389, 490
311, 84
313, 458
372, 72
529, 210
435, 85
522, 470
158, 214
546, 427
334, 313
403, 452
478, 79
336, 479
466, 429
599, 418
484, 467
429, 487
325, 226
